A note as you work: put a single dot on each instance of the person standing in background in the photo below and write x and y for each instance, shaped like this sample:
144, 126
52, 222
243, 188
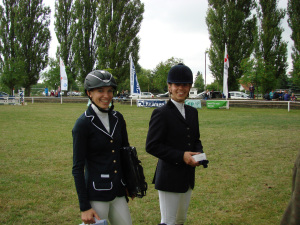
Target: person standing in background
46, 91
251, 89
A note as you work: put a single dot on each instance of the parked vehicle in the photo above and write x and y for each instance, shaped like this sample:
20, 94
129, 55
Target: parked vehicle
238, 95
3, 94
74, 93
143, 95
200, 95
163, 95
193, 92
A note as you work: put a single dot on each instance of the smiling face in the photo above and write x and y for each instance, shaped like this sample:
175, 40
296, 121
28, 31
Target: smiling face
179, 92
101, 96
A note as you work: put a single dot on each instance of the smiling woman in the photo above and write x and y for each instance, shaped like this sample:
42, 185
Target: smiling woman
98, 136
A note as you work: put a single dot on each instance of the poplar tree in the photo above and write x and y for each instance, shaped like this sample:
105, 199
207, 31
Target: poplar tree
84, 43
119, 24
272, 50
32, 32
65, 32
293, 10
232, 23
10, 66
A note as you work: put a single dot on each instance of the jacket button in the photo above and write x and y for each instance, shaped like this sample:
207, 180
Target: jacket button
114, 161
113, 151
187, 128
111, 141
189, 144
116, 171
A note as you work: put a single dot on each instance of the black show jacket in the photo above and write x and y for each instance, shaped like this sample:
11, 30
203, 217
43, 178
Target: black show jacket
96, 157
169, 136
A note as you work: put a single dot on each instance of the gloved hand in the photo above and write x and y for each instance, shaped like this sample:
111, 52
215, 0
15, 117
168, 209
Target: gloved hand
204, 163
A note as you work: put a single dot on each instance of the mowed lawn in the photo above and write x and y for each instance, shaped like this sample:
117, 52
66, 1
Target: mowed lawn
248, 181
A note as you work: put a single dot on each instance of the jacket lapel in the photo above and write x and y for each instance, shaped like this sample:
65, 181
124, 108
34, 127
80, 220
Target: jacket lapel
113, 120
176, 112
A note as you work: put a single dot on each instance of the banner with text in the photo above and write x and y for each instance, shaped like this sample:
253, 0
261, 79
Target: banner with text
150, 103
216, 104
194, 103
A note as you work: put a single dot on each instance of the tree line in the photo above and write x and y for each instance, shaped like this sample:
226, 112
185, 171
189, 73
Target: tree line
253, 34
101, 34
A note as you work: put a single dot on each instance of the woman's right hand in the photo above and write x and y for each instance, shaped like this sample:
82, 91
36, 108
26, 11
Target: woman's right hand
189, 160
88, 216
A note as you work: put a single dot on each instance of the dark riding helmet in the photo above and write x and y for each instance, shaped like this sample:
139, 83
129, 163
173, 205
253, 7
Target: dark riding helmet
99, 78
180, 74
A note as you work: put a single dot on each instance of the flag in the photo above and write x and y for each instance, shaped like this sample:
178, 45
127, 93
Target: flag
134, 84
225, 76
63, 77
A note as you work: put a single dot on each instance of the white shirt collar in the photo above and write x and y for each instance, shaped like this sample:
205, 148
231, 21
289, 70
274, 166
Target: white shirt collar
180, 107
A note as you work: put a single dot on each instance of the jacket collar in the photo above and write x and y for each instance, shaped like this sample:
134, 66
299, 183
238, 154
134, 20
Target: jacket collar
113, 121
172, 106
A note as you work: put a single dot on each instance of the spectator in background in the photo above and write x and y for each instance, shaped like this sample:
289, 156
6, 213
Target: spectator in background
271, 94
286, 96
293, 97
58, 91
251, 89
46, 91
281, 95
206, 95
291, 215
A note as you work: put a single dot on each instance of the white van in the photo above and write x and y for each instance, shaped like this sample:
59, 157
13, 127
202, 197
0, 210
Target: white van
193, 93
238, 95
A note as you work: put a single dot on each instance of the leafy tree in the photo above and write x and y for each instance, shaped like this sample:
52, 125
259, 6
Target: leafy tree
84, 43
231, 23
32, 32
199, 82
271, 48
254, 72
64, 29
51, 77
119, 24
213, 86
293, 10
11, 67
158, 79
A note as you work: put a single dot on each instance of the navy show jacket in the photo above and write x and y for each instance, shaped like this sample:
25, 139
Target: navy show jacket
169, 136
96, 157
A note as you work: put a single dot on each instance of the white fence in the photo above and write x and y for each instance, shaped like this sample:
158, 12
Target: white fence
10, 100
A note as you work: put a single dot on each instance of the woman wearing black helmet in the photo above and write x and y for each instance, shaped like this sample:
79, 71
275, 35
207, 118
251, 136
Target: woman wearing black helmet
173, 138
98, 135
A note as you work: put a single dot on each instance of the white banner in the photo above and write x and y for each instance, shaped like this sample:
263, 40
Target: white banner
63, 77
225, 76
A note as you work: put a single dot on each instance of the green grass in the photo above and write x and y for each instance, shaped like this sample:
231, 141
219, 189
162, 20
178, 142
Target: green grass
248, 181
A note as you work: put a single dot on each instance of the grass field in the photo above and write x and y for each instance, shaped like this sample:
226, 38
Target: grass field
248, 181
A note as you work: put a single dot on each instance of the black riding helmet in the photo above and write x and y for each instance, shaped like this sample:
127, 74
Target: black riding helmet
180, 74
97, 79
